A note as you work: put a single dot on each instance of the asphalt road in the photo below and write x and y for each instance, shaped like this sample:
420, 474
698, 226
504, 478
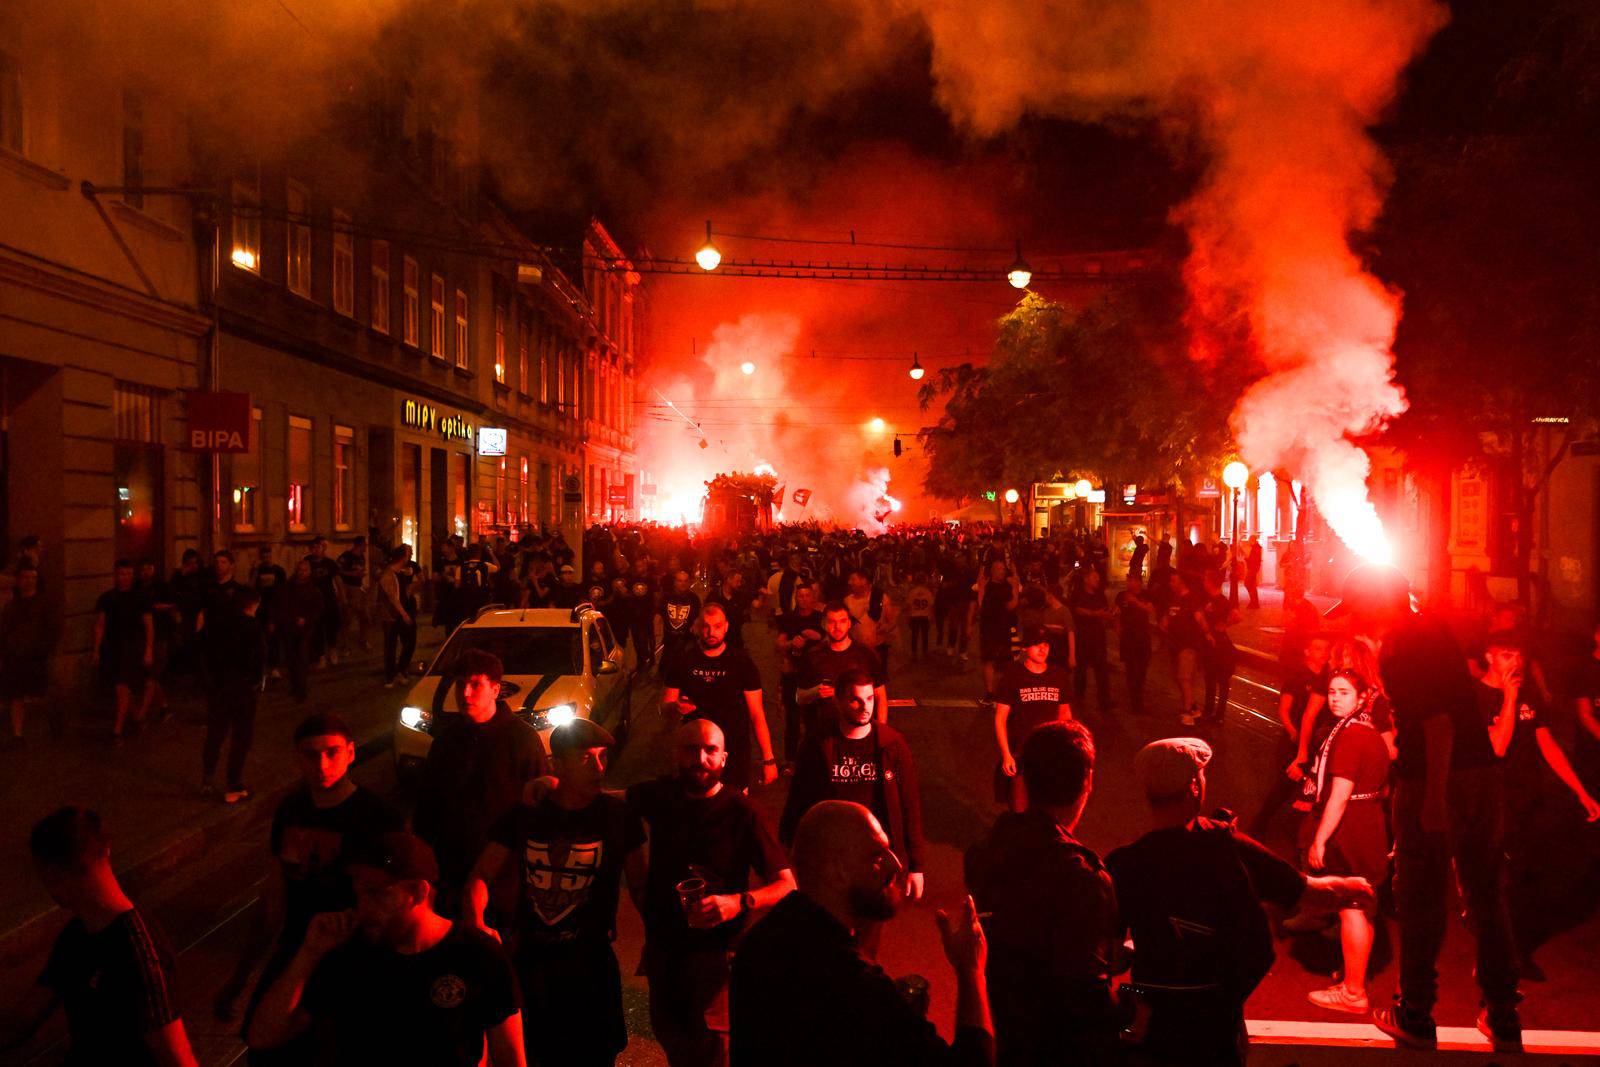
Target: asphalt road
935, 705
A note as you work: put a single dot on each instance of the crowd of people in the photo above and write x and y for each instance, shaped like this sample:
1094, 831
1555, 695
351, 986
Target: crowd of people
484, 918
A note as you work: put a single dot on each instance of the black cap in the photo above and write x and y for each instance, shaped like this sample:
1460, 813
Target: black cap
1372, 586
579, 735
402, 856
1034, 634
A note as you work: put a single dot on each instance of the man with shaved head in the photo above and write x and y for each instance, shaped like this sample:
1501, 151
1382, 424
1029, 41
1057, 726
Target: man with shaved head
714, 863
801, 991
719, 682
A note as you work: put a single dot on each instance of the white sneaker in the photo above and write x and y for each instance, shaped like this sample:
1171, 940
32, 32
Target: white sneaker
1189, 718
1338, 998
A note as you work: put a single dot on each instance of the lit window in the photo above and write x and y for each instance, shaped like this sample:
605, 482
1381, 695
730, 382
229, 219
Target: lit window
298, 206
247, 479
436, 316
525, 499
500, 344
344, 452
544, 366
463, 354
344, 265
412, 311
502, 508
299, 464
380, 286
246, 227
524, 340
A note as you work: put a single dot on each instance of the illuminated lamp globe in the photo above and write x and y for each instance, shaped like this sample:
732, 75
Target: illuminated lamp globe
877, 425
1019, 274
1235, 474
1083, 489
916, 368
747, 367
1012, 496
708, 256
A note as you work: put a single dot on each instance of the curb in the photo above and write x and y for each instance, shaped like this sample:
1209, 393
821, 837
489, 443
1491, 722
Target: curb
144, 874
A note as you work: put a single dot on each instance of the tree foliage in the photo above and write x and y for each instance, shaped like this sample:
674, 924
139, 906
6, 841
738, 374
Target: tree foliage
1102, 390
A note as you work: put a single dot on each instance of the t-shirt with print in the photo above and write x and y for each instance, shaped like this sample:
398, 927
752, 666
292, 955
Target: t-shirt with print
115, 987
722, 838
716, 686
313, 844
919, 602
678, 612
570, 867
857, 773
1522, 759
1032, 698
430, 1007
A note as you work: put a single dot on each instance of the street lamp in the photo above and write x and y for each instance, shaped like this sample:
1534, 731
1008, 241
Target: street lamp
747, 367
1012, 496
916, 368
708, 257
1082, 489
1234, 476
1019, 274
877, 425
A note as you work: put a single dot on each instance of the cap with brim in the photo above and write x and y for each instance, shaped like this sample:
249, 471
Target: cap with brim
402, 856
1370, 586
1035, 635
1166, 768
579, 735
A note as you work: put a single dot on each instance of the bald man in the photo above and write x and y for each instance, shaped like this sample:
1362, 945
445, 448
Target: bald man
699, 829
801, 993
716, 681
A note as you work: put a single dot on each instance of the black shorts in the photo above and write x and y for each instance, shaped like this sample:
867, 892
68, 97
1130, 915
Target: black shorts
575, 992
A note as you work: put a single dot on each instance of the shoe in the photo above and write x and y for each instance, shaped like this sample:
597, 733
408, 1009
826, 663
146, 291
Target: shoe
233, 796
1407, 1032
1189, 718
1338, 998
1503, 1029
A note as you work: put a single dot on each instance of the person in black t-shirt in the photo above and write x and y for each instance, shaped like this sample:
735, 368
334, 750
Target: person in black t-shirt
1190, 892
1301, 695
1186, 636
1446, 806
1136, 614
233, 683
124, 646
721, 683
354, 584
679, 611
1091, 611
838, 652
325, 574
1050, 913
398, 982
851, 756
1031, 692
736, 604
110, 968
799, 631
269, 580
315, 831
568, 851
699, 829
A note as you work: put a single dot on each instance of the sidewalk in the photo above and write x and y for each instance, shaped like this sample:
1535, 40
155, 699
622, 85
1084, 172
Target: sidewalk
148, 792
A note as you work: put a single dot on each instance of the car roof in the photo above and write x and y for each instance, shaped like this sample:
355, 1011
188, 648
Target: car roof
550, 617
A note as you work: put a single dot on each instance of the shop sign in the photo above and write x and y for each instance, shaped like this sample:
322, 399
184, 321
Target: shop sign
491, 441
1210, 489
218, 422
617, 496
420, 415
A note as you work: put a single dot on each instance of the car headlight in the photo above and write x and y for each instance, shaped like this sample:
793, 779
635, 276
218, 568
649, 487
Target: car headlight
415, 718
560, 715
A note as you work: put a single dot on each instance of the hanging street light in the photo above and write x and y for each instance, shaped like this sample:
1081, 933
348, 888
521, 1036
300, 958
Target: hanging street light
1020, 273
708, 257
916, 368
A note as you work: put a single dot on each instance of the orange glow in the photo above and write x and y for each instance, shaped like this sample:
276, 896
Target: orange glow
243, 257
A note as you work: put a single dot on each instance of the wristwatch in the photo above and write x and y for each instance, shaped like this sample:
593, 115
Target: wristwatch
747, 902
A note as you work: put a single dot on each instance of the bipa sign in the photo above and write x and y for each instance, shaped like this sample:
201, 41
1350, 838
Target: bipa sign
218, 422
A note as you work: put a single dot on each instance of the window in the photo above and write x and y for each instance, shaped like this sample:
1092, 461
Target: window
502, 508
298, 206
499, 344
436, 317
460, 479
412, 311
561, 378
10, 103
380, 286
544, 367
132, 148
524, 340
525, 499
344, 455
344, 265
248, 480
299, 473
247, 226
463, 353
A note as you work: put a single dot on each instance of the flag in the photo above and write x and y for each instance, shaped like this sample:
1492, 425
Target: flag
802, 497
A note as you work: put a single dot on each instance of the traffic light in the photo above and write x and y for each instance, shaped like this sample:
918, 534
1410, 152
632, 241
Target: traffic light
897, 448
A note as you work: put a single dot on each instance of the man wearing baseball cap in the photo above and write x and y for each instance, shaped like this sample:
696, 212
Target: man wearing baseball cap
414, 987
1032, 691
568, 850
1447, 806
1191, 893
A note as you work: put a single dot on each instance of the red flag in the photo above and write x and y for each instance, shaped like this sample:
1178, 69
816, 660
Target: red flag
802, 497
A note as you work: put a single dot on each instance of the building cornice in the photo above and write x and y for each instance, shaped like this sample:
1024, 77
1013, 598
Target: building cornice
68, 283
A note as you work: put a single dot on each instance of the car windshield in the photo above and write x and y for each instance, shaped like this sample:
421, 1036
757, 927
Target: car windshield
522, 649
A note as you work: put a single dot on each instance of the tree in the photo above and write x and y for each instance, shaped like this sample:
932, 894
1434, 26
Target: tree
1104, 389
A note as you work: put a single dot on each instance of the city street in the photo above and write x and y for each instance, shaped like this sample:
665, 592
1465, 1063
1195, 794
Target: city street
203, 900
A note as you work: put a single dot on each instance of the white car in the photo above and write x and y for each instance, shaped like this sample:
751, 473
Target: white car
560, 664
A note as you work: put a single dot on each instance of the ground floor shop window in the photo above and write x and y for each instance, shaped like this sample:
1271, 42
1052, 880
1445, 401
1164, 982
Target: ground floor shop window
249, 478
344, 455
460, 480
299, 465
411, 496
